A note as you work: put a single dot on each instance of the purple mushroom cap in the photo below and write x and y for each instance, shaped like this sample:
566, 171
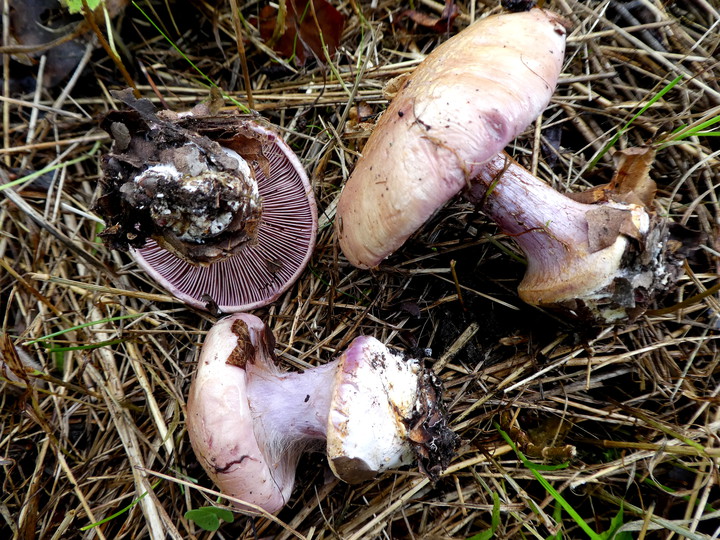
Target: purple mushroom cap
260, 272
214, 206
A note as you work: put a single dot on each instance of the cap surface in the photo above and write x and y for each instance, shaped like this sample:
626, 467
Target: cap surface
219, 420
467, 100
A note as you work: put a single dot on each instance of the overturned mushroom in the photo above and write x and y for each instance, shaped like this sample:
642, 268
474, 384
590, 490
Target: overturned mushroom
216, 208
249, 422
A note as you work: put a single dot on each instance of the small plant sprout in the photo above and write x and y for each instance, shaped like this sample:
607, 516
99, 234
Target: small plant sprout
216, 208
249, 421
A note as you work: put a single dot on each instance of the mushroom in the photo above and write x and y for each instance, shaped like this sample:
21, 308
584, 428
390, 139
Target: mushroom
600, 263
216, 208
461, 106
248, 421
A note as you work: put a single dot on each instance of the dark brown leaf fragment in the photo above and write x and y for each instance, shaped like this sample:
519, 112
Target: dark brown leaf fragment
302, 34
433, 441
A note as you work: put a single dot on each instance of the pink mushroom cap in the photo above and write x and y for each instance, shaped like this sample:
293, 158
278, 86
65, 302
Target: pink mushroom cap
462, 105
220, 422
264, 270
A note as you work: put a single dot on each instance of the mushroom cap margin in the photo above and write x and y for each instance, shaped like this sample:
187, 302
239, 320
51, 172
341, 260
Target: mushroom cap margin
220, 423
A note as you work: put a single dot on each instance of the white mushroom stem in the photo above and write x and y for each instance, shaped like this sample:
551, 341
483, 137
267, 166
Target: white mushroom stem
368, 389
249, 422
291, 407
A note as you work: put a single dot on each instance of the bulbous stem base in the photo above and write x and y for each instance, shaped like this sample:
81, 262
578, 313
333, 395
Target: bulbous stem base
601, 262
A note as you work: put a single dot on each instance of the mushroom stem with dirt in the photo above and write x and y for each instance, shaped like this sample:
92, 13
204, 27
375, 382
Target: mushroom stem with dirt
601, 261
249, 422
216, 208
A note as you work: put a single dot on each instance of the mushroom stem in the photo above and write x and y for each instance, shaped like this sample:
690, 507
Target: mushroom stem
291, 407
601, 261
199, 204
249, 422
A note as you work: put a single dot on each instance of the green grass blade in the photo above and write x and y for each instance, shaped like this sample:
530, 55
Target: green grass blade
549, 488
120, 512
84, 325
623, 129
210, 82
684, 132
488, 534
36, 174
85, 347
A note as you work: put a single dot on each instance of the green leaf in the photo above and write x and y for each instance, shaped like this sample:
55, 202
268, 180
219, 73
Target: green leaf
615, 524
495, 522
208, 517
76, 6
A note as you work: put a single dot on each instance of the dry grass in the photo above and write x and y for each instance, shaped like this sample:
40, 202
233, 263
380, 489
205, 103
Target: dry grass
103, 421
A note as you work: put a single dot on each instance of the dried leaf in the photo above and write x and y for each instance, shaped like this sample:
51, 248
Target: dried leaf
541, 441
361, 120
37, 22
440, 24
632, 182
302, 35
593, 195
605, 224
394, 85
